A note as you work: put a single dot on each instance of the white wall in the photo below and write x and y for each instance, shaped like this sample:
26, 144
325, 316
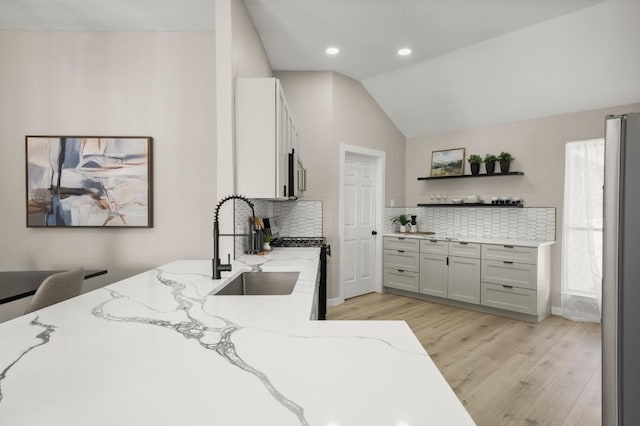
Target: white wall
101, 83
330, 109
538, 148
239, 53
249, 56
581, 61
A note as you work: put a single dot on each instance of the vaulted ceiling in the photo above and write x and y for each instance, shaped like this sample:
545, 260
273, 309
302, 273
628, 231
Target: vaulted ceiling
473, 63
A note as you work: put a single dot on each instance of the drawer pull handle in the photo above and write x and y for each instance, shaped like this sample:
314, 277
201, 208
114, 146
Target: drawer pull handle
508, 262
433, 241
401, 238
508, 246
401, 270
507, 286
400, 251
464, 244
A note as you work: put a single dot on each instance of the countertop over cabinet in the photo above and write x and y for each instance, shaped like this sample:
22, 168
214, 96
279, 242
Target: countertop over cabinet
158, 349
480, 240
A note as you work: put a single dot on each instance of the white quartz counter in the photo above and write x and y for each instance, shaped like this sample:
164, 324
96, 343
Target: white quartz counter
157, 349
480, 240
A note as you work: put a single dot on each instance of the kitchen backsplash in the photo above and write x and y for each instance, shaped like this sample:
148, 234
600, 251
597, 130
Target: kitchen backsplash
530, 223
288, 219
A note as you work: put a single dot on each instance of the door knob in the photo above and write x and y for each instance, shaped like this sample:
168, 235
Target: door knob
374, 232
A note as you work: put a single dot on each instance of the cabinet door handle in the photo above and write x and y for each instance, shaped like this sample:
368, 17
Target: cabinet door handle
507, 246
401, 238
507, 262
400, 251
464, 244
507, 286
401, 270
433, 241
447, 260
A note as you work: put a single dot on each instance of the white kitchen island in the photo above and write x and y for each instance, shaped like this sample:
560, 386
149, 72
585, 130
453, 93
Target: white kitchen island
157, 349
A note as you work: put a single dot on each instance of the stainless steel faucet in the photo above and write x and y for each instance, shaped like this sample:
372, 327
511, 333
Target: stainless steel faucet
217, 265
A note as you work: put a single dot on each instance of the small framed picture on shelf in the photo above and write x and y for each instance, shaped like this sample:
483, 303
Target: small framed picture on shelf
447, 162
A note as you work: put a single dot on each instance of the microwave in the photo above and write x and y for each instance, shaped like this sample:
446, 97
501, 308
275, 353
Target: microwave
297, 176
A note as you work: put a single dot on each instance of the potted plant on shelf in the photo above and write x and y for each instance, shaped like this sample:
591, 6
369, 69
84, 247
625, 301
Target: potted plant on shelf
490, 163
505, 161
402, 220
474, 162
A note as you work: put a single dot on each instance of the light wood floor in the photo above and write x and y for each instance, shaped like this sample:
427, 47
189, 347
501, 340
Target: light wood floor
505, 372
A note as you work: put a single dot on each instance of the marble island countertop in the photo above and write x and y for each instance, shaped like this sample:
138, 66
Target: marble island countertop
157, 349
480, 240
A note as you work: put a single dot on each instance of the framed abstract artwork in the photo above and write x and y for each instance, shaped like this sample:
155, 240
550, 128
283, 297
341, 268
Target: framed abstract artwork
448, 162
89, 181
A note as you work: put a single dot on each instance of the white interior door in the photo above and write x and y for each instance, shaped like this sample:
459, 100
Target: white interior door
358, 270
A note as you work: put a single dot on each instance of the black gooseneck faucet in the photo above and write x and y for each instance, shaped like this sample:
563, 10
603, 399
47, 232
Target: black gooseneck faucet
217, 266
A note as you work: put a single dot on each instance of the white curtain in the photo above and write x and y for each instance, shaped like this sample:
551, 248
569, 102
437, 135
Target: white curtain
581, 292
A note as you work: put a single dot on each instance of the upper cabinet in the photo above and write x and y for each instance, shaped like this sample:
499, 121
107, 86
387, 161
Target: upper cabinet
265, 137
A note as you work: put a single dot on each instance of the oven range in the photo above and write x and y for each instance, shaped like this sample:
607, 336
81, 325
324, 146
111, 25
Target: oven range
325, 250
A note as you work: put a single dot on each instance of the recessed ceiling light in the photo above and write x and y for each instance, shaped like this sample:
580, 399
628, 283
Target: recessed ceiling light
332, 50
404, 51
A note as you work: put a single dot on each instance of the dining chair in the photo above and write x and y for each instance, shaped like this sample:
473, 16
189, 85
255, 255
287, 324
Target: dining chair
56, 288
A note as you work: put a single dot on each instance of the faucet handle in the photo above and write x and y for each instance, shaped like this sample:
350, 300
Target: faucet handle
228, 258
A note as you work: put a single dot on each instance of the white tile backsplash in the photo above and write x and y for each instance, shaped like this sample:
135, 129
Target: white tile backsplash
529, 223
288, 219
298, 218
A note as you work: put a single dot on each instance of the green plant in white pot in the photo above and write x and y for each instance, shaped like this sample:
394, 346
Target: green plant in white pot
266, 245
402, 219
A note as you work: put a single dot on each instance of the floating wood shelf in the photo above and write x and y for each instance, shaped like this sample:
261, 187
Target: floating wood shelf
472, 176
473, 205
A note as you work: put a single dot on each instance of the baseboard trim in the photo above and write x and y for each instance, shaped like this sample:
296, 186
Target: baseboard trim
556, 310
335, 302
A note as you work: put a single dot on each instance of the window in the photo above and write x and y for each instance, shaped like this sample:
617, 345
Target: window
582, 230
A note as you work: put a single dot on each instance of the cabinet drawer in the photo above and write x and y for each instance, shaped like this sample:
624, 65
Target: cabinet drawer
434, 247
510, 253
509, 298
400, 259
462, 249
512, 274
408, 281
401, 243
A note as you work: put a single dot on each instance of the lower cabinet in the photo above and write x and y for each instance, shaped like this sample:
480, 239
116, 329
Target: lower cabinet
509, 278
403, 280
509, 298
463, 282
433, 274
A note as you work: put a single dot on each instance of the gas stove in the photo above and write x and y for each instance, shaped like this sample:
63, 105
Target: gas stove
299, 242
325, 250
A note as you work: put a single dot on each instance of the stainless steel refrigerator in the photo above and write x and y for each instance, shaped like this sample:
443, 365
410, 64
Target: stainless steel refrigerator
621, 273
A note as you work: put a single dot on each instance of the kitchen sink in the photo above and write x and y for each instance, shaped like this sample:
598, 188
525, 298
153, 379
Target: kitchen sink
260, 284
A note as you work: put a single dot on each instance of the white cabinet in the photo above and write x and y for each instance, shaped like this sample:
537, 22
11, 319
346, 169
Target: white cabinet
401, 263
508, 273
516, 279
434, 247
509, 298
507, 253
399, 259
505, 277
433, 274
463, 281
265, 135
